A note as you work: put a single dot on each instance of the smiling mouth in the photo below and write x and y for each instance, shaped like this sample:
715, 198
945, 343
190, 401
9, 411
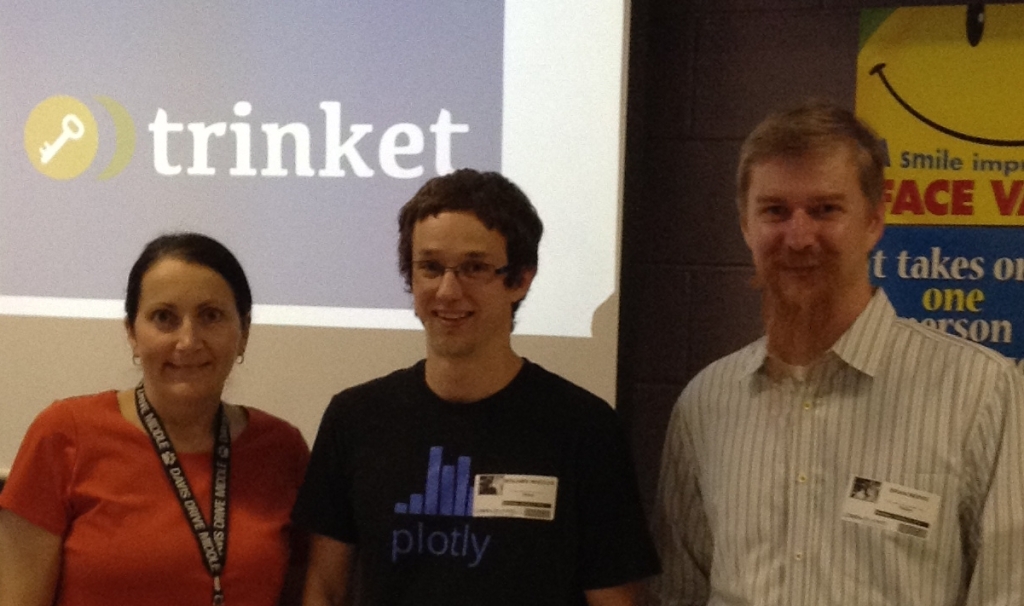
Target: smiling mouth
800, 271
878, 70
188, 367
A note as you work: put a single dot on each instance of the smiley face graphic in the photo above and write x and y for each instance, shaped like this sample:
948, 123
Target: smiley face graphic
941, 86
953, 70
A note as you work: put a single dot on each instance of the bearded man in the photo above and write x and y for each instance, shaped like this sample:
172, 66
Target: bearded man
770, 450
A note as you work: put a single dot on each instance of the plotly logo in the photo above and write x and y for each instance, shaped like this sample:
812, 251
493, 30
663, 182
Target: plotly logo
61, 137
61, 140
426, 527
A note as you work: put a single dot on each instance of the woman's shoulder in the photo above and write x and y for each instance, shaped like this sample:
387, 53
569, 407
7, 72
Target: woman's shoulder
64, 439
81, 411
103, 399
274, 441
263, 426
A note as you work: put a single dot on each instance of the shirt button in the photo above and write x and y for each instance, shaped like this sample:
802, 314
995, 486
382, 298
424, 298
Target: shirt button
808, 404
801, 478
798, 556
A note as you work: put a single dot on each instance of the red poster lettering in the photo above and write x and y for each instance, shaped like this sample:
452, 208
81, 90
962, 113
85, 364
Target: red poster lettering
1007, 201
931, 200
908, 199
963, 196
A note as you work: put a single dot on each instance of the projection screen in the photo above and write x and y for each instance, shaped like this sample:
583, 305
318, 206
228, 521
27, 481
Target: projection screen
293, 132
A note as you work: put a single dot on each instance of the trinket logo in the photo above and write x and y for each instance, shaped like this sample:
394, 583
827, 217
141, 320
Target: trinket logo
398, 149
62, 137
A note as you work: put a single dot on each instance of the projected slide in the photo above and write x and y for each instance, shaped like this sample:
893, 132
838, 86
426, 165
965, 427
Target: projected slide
293, 132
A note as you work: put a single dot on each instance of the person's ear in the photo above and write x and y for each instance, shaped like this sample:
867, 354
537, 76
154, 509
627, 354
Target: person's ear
525, 280
244, 341
130, 332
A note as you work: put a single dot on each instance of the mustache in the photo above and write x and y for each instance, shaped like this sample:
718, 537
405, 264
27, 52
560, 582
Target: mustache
776, 264
787, 258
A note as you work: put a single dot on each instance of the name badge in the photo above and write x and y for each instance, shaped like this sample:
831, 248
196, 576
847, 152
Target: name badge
514, 496
891, 507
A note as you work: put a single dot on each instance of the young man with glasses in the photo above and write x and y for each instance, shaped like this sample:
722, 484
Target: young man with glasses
474, 477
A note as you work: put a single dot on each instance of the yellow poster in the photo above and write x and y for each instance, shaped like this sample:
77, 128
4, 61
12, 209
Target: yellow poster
944, 86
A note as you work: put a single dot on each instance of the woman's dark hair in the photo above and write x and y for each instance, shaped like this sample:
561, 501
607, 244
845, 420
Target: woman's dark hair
192, 248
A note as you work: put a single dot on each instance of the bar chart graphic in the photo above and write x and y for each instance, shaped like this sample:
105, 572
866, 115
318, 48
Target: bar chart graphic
447, 491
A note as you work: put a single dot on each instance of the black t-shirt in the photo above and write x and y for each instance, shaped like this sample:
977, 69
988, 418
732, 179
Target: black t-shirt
397, 471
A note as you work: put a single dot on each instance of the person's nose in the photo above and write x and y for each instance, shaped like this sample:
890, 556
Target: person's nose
188, 336
801, 231
449, 287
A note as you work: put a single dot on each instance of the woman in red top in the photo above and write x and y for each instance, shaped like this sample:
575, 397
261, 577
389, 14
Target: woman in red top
161, 494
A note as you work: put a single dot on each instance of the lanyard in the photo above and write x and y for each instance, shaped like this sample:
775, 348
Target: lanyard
212, 538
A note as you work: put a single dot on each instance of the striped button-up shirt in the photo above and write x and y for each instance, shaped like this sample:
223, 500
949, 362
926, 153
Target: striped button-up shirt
758, 472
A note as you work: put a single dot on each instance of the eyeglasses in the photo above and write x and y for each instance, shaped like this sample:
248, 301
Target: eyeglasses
469, 271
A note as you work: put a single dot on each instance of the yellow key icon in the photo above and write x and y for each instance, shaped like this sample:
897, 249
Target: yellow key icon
72, 129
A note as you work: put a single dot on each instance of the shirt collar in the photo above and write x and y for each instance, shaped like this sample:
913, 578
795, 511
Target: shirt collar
757, 355
860, 346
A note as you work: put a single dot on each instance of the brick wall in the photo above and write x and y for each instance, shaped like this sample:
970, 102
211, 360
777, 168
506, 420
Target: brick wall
702, 74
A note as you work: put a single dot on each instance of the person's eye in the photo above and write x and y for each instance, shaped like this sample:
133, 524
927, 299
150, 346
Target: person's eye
164, 318
474, 269
774, 212
826, 210
430, 269
211, 315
